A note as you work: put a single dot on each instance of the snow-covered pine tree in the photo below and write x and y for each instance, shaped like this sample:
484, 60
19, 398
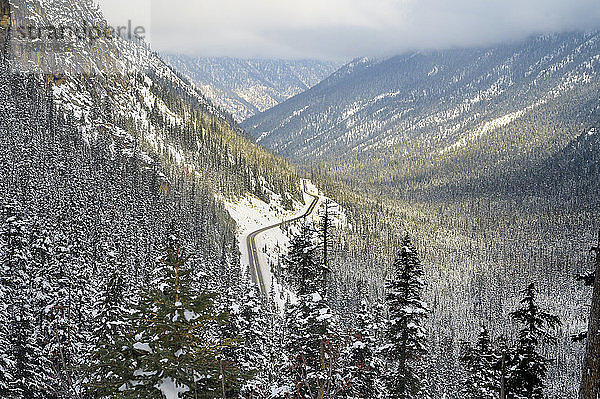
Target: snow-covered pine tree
5, 363
443, 370
59, 325
313, 369
111, 369
245, 364
6, 292
176, 335
230, 331
527, 367
406, 343
80, 293
301, 343
482, 373
325, 233
251, 354
44, 258
363, 367
379, 323
310, 340
276, 357
301, 264
23, 352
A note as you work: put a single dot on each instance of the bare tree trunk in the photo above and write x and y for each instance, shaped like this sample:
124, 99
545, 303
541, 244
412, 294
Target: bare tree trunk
503, 377
590, 382
222, 378
69, 388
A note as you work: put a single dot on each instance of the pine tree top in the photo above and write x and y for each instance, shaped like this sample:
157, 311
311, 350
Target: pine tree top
536, 321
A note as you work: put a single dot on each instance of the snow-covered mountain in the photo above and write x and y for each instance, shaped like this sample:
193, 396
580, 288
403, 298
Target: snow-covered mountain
430, 118
113, 166
245, 87
121, 88
112, 161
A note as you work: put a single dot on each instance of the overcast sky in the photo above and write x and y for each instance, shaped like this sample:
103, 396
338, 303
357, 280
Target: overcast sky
343, 29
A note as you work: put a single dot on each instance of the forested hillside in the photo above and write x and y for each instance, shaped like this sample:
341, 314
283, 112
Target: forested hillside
429, 119
487, 156
469, 200
76, 215
104, 177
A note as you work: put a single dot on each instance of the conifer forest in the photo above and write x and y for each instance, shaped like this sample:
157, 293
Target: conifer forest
417, 222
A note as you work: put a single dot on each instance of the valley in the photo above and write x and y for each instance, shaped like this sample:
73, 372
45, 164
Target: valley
409, 226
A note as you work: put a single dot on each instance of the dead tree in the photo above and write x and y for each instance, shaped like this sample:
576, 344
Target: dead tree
590, 382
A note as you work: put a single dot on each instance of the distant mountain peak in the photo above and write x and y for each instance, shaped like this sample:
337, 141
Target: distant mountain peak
245, 87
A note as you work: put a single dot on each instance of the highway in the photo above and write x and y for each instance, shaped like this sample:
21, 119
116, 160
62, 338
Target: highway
255, 269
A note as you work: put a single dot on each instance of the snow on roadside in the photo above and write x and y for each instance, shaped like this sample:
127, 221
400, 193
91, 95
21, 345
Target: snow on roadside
251, 214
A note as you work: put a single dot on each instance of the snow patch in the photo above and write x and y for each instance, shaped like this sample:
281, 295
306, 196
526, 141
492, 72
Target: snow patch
171, 389
142, 347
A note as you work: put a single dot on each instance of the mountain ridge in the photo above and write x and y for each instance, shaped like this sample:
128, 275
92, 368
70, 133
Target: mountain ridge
244, 87
411, 117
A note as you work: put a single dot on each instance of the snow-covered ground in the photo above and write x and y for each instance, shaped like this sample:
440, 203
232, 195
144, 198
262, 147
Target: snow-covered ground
251, 214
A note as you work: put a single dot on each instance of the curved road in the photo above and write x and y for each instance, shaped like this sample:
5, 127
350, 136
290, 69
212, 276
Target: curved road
257, 275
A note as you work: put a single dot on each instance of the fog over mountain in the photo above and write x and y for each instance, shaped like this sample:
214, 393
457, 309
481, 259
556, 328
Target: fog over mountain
345, 29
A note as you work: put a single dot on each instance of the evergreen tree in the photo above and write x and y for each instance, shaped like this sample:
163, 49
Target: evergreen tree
251, 353
481, 368
6, 292
276, 356
325, 232
311, 347
301, 264
245, 364
5, 363
59, 327
312, 369
406, 343
176, 335
230, 331
111, 369
363, 366
527, 367
23, 353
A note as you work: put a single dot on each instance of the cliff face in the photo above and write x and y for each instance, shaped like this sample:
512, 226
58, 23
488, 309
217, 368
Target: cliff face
4, 27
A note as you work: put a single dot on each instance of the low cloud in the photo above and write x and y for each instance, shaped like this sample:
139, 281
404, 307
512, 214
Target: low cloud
344, 29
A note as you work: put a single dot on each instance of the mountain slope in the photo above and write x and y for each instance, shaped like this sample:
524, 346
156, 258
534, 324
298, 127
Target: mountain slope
114, 100
108, 156
245, 87
428, 119
128, 93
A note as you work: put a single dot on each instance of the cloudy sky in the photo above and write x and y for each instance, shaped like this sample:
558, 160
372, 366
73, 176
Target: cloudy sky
343, 29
